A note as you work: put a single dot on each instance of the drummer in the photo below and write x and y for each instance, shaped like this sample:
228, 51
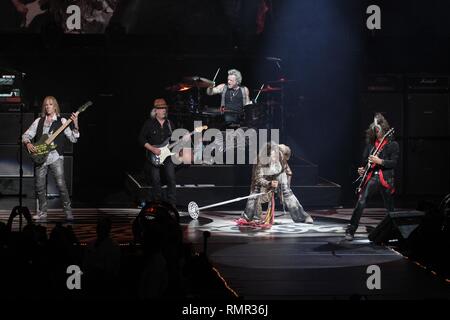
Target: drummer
234, 97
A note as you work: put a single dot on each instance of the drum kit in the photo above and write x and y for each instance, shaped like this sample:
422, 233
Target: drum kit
187, 93
187, 103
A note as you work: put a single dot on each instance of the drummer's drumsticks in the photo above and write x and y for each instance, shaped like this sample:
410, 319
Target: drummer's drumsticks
214, 80
257, 96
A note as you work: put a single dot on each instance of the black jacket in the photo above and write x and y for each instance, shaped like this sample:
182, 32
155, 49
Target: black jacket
153, 133
389, 154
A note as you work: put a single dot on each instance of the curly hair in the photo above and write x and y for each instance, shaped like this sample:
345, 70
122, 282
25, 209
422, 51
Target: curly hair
379, 123
237, 74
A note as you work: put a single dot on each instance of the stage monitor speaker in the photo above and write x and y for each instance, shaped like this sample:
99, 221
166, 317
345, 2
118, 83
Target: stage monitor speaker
390, 105
52, 188
428, 115
396, 225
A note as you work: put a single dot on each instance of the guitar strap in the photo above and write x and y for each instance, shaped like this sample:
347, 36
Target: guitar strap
369, 175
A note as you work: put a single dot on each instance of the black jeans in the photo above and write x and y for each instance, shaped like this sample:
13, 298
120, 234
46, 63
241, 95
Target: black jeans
154, 178
372, 186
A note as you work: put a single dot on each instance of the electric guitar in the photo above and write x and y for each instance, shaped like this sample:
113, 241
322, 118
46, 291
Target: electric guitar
371, 165
165, 148
34, 10
45, 144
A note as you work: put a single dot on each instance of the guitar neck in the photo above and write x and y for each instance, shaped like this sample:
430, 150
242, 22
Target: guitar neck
57, 132
380, 145
177, 142
377, 150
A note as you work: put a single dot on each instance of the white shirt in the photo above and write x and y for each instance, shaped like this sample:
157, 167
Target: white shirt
53, 155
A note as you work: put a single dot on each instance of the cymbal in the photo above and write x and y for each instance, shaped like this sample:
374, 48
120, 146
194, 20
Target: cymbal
268, 89
179, 87
198, 82
281, 80
216, 112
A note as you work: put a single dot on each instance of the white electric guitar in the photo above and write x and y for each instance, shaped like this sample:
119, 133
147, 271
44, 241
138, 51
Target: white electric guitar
165, 148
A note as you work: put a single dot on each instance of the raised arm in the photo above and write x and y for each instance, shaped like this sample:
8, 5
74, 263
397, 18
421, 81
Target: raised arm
215, 90
71, 134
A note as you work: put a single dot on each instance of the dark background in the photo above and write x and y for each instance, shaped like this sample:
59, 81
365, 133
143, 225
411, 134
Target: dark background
342, 72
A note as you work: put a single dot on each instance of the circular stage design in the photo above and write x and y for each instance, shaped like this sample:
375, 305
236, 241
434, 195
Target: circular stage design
222, 224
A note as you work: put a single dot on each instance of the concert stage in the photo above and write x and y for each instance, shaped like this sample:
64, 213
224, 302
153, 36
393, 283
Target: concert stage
208, 184
287, 261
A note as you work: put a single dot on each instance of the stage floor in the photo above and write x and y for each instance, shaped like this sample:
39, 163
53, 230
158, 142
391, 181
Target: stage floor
288, 261
220, 223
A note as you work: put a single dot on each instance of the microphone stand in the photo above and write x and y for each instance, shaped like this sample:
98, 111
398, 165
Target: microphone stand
282, 121
21, 168
20, 209
283, 133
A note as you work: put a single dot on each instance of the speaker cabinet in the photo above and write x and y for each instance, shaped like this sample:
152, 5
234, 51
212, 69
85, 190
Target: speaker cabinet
399, 170
9, 162
427, 170
10, 126
428, 115
10, 186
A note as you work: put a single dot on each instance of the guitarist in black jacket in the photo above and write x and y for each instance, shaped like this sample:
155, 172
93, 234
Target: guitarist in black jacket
154, 132
380, 176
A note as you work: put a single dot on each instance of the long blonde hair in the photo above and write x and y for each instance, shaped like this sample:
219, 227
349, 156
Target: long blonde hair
55, 103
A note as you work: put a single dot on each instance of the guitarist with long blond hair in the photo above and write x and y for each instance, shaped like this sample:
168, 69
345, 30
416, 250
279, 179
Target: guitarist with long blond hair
50, 121
380, 157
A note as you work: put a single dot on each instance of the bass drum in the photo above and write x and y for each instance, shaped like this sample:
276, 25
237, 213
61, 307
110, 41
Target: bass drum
254, 116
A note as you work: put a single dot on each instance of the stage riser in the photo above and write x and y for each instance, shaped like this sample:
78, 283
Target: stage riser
309, 196
238, 175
